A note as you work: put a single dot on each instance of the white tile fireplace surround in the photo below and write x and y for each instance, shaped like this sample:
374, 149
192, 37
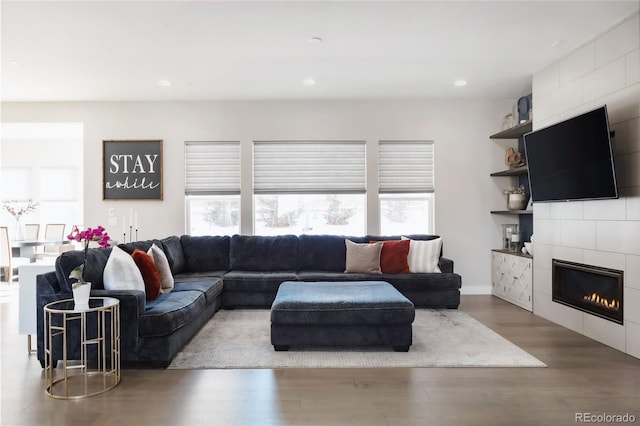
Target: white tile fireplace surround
606, 233
571, 232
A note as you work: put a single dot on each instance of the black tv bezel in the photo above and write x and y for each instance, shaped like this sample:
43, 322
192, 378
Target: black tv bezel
611, 161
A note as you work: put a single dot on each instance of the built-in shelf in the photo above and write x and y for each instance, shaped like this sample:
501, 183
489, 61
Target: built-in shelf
514, 132
512, 212
512, 271
516, 171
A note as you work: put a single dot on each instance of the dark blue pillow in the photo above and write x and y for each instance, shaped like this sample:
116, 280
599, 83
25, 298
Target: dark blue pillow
324, 252
258, 253
205, 253
172, 248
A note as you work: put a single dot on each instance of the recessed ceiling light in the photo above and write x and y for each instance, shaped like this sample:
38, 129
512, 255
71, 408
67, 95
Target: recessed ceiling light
164, 83
314, 40
460, 83
309, 82
14, 63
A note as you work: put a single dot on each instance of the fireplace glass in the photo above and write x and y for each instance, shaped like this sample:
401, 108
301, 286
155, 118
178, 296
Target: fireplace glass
591, 289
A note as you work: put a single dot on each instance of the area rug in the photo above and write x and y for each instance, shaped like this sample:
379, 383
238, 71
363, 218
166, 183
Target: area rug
441, 338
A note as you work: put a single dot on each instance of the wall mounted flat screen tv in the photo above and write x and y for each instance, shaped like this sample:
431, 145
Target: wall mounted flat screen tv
572, 160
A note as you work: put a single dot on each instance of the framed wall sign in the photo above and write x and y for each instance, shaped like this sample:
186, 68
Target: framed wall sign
132, 170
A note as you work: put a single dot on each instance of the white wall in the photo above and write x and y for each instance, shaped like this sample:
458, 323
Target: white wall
602, 233
464, 155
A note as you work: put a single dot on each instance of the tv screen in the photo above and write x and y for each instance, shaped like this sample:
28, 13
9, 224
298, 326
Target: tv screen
572, 160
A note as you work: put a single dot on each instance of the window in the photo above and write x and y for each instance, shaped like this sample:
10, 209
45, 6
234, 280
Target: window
213, 215
406, 214
278, 214
406, 187
312, 187
212, 187
59, 195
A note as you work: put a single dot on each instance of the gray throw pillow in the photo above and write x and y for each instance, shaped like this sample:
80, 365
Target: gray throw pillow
363, 258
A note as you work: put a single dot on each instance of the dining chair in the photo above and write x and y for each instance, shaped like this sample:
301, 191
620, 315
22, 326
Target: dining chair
52, 232
31, 231
7, 262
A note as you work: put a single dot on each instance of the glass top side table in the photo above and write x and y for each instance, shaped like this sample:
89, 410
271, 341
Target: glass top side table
98, 369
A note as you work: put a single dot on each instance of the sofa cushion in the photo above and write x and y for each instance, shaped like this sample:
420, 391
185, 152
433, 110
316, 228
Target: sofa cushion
363, 258
164, 269
121, 272
394, 257
199, 276
336, 276
424, 255
139, 245
422, 282
69, 260
205, 253
323, 252
150, 274
259, 253
173, 249
251, 281
170, 311
210, 288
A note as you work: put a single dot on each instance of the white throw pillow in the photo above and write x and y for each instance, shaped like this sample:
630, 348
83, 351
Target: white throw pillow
363, 258
162, 263
121, 272
424, 255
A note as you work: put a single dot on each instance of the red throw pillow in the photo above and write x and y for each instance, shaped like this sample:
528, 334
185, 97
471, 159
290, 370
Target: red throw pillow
394, 255
150, 273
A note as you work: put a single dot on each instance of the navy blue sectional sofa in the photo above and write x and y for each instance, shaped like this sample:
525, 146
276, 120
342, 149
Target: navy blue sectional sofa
212, 272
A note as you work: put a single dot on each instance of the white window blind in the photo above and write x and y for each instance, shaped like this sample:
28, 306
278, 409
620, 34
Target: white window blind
405, 166
212, 168
319, 167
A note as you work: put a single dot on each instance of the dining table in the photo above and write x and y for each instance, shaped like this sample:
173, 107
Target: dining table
27, 248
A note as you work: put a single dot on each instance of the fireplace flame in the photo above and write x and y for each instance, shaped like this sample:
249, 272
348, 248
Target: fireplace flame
596, 299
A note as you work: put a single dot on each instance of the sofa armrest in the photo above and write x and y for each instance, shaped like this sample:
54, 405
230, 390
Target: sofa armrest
132, 305
446, 265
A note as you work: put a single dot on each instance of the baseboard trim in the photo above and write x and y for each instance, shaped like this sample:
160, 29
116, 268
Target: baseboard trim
475, 289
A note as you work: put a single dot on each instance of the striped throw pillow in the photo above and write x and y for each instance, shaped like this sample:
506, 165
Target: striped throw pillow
424, 255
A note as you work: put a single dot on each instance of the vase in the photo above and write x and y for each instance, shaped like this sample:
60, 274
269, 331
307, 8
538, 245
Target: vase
19, 231
517, 201
81, 296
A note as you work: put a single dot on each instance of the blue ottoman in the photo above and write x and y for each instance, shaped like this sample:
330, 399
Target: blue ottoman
350, 313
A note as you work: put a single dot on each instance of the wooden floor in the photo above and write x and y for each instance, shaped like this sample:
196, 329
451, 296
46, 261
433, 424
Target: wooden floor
583, 377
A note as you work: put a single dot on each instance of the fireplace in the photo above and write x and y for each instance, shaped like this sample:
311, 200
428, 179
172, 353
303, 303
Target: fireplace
591, 289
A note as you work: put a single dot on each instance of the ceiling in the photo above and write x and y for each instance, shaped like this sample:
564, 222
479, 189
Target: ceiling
220, 50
